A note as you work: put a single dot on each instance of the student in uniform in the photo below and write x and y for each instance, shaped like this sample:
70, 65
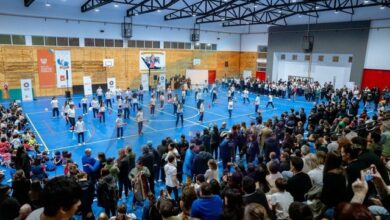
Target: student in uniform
183, 96
270, 101
84, 105
95, 106
139, 118
80, 129
201, 111
179, 114
108, 98
126, 108
230, 107
99, 93
245, 94
72, 117
119, 126
54, 107
162, 99
134, 101
175, 100
152, 105
102, 112
120, 105
257, 103
65, 110
214, 95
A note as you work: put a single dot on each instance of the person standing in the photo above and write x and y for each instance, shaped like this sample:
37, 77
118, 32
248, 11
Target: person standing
171, 181
134, 101
54, 107
162, 99
80, 129
230, 107
84, 105
245, 94
270, 101
65, 110
99, 93
175, 100
95, 107
183, 95
152, 105
214, 95
140, 120
108, 98
102, 112
201, 111
257, 103
72, 117
119, 126
126, 108
179, 114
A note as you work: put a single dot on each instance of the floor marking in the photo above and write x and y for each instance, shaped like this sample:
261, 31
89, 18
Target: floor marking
36, 130
131, 118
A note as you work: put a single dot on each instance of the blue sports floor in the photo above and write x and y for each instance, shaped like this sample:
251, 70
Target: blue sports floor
54, 134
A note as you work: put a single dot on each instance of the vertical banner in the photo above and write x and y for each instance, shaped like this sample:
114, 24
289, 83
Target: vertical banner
87, 85
63, 68
145, 81
26, 87
47, 77
162, 80
111, 84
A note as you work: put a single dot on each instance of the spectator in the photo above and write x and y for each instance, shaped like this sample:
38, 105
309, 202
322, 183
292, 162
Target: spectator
253, 195
121, 213
107, 192
233, 205
20, 187
212, 172
300, 182
255, 211
300, 211
9, 207
208, 206
281, 200
171, 180
187, 198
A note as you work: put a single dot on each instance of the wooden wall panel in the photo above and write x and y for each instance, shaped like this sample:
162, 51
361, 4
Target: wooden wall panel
18, 62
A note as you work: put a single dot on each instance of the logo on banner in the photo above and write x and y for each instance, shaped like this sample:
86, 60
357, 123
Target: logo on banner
111, 83
43, 61
162, 78
63, 64
26, 84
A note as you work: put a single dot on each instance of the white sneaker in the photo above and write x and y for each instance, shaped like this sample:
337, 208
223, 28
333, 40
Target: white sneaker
79, 144
118, 138
83, 143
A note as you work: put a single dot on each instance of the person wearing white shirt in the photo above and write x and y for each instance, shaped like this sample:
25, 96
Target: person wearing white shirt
183, 96
134, 101
108, 98
171, 181
119, 126
84, 104
212, 172
54, 107
270, 102
80, 129
120, 105
162, 98
126, 108
169, 93
65, 110
139, 118
72, 117
95, 107
281, 200
102, 112
199, 98
152, 105
257, 103
230, 107
179, 114
201, 111
99, 93
245, 95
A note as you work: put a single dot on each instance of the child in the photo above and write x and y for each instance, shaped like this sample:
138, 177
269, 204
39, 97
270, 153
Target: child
270, 102
80, 129
212, 172
281, 200
57, 158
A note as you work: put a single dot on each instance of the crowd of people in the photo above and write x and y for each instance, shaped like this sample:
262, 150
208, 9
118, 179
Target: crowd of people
331, 163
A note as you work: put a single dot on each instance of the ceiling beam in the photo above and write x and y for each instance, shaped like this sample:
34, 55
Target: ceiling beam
28, 2
147, 6
93, 4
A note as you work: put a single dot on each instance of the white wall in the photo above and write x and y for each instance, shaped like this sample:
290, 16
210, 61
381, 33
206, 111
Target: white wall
249, 42
326, 71
378, 46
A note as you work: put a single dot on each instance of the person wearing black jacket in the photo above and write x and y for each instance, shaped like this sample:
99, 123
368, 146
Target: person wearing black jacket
161, 149
300, 183
124, 169
254, 196
199, 164
88, 190
148, 161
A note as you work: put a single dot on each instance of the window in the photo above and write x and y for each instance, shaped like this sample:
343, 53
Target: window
262, 49
89, 42
181, 45
5, 39
99, 42
131, 43
294, 57
62, 41
307, 57
50, 41
148, 44
335, 59
196, 46
74, 42
37, 40
213, 46
18, 40
174, 45
350, 59
118, 43
321, 58
203, 46
187, 46
156, 44
167, 44
109, 43
283, 57
261, 55
140, 44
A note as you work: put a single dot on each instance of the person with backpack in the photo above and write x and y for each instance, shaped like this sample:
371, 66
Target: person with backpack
107, 192
139, 178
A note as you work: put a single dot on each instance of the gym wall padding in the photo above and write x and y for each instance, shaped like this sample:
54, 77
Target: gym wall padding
20, 62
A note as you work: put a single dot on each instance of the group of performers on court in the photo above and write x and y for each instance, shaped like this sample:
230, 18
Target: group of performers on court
129, 101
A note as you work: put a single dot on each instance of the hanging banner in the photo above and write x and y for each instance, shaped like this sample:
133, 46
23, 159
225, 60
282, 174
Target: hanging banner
87, 85
111, 84
162, 80
152, 60
26, 87
63, 68
46, 74
145, 81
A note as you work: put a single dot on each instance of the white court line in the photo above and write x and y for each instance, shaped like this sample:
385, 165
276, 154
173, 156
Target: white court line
39, 135
131, 118
205, 111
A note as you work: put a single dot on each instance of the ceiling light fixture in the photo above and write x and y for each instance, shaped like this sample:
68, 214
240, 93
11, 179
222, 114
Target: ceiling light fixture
159, 10
97, 10
317, 7
336, 12
382, 7
116, 5
208, 44
47, 4
193, 15
366, 1
300, 15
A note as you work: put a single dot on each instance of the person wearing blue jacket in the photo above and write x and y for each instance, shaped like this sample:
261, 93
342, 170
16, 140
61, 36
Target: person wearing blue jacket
90, 164
187, 166
225, 150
